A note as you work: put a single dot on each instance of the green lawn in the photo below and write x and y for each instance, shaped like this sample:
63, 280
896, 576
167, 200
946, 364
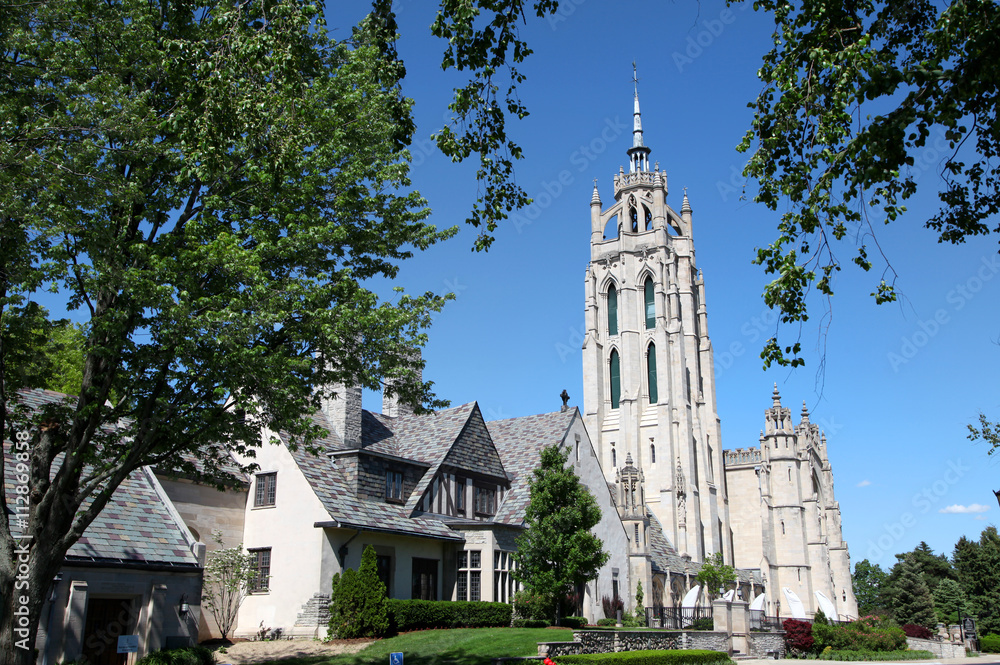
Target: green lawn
456, 646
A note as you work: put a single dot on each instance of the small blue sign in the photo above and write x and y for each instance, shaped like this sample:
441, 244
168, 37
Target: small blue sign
396, 658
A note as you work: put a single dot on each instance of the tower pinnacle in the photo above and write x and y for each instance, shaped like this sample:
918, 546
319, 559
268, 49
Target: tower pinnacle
638, 154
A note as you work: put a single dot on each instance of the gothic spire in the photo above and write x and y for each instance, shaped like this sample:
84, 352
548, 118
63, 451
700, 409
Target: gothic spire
638, 154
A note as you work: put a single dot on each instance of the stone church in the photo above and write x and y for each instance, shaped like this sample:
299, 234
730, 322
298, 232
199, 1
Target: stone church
650, 408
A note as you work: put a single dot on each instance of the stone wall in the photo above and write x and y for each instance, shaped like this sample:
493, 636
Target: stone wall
939, 649
608, 641
764, 645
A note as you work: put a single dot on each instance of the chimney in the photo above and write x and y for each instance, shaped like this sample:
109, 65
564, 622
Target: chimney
391, 405
343, 410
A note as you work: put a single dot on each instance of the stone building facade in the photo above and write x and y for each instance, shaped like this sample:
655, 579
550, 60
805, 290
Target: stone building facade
650, 408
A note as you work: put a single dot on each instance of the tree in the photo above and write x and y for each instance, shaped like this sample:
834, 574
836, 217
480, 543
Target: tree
851, 93
910, 598
228, 574
949, 602
43, 353
210, 192
933, 568
978, 566
870, 586
715, 575
987, 432
358, 603
557, 553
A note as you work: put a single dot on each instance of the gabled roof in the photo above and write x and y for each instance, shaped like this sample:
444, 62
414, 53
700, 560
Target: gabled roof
663, 556
520, 442
137, 526
337, 494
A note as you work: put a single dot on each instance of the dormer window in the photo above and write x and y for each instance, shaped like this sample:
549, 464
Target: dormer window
394, 486
486, 500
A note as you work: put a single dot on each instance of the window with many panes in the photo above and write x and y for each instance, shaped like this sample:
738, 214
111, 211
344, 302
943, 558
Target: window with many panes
654, 395
260, 564
612, 310
504, 585
425, 573
394, 486
486, 500
470, 575
460, 496
266, 484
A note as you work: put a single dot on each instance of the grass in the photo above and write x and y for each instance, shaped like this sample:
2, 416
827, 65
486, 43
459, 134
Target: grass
464, 646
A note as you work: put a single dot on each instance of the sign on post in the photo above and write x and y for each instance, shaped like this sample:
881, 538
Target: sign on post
396, 658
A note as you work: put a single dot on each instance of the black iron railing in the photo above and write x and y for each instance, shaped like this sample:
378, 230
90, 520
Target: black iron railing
679, 618
760, 621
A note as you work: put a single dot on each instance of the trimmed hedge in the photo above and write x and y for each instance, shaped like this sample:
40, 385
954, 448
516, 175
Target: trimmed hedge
420, 614
573, 622
650, 657
989, 643
875, 655
197, 655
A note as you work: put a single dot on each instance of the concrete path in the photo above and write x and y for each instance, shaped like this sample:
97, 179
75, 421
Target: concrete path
993, 659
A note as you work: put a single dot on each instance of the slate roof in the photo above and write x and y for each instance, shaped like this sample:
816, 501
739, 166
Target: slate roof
520, 442
335, 491
135, 527
664, 557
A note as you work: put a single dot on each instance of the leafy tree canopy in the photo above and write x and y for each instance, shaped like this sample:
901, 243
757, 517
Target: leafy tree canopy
852, 93
870, 586
557, 553
715, 574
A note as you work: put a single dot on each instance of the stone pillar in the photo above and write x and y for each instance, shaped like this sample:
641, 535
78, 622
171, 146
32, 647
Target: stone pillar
723, 620
155, 619
76, 613
740, 626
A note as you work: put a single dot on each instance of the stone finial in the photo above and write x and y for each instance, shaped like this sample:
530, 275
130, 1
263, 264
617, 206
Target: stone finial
564, 396
686, 203
805, 413
776, 396
596, 198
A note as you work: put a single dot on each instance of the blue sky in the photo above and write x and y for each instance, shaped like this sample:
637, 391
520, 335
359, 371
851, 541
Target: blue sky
901, 381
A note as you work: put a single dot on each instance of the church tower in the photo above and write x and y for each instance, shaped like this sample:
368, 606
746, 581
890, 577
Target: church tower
649, 386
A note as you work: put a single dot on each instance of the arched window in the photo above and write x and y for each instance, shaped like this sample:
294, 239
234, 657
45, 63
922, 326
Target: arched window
651, 373
650, 300
616, 379
612, 310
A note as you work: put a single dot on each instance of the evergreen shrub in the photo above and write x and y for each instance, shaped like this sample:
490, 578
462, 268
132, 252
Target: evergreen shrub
875, 655
704, 623
573, 622
196, 655
421, 614
358, 606
989, 643
650, 657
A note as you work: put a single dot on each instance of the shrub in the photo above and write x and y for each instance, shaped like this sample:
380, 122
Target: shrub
820, 617
187, 656
920, 632
659, 657
422, 614
704, 623
798, 636
573, 622
531, 623
989, 643
607, 621
611, 606
875, 655
531, 605
867, 634
358, 606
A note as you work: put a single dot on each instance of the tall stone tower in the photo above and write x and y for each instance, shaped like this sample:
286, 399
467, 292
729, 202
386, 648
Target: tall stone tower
649, 386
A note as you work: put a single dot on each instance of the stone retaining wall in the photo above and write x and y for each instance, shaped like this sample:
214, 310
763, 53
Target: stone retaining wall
939, 649
764, 645
608, 641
